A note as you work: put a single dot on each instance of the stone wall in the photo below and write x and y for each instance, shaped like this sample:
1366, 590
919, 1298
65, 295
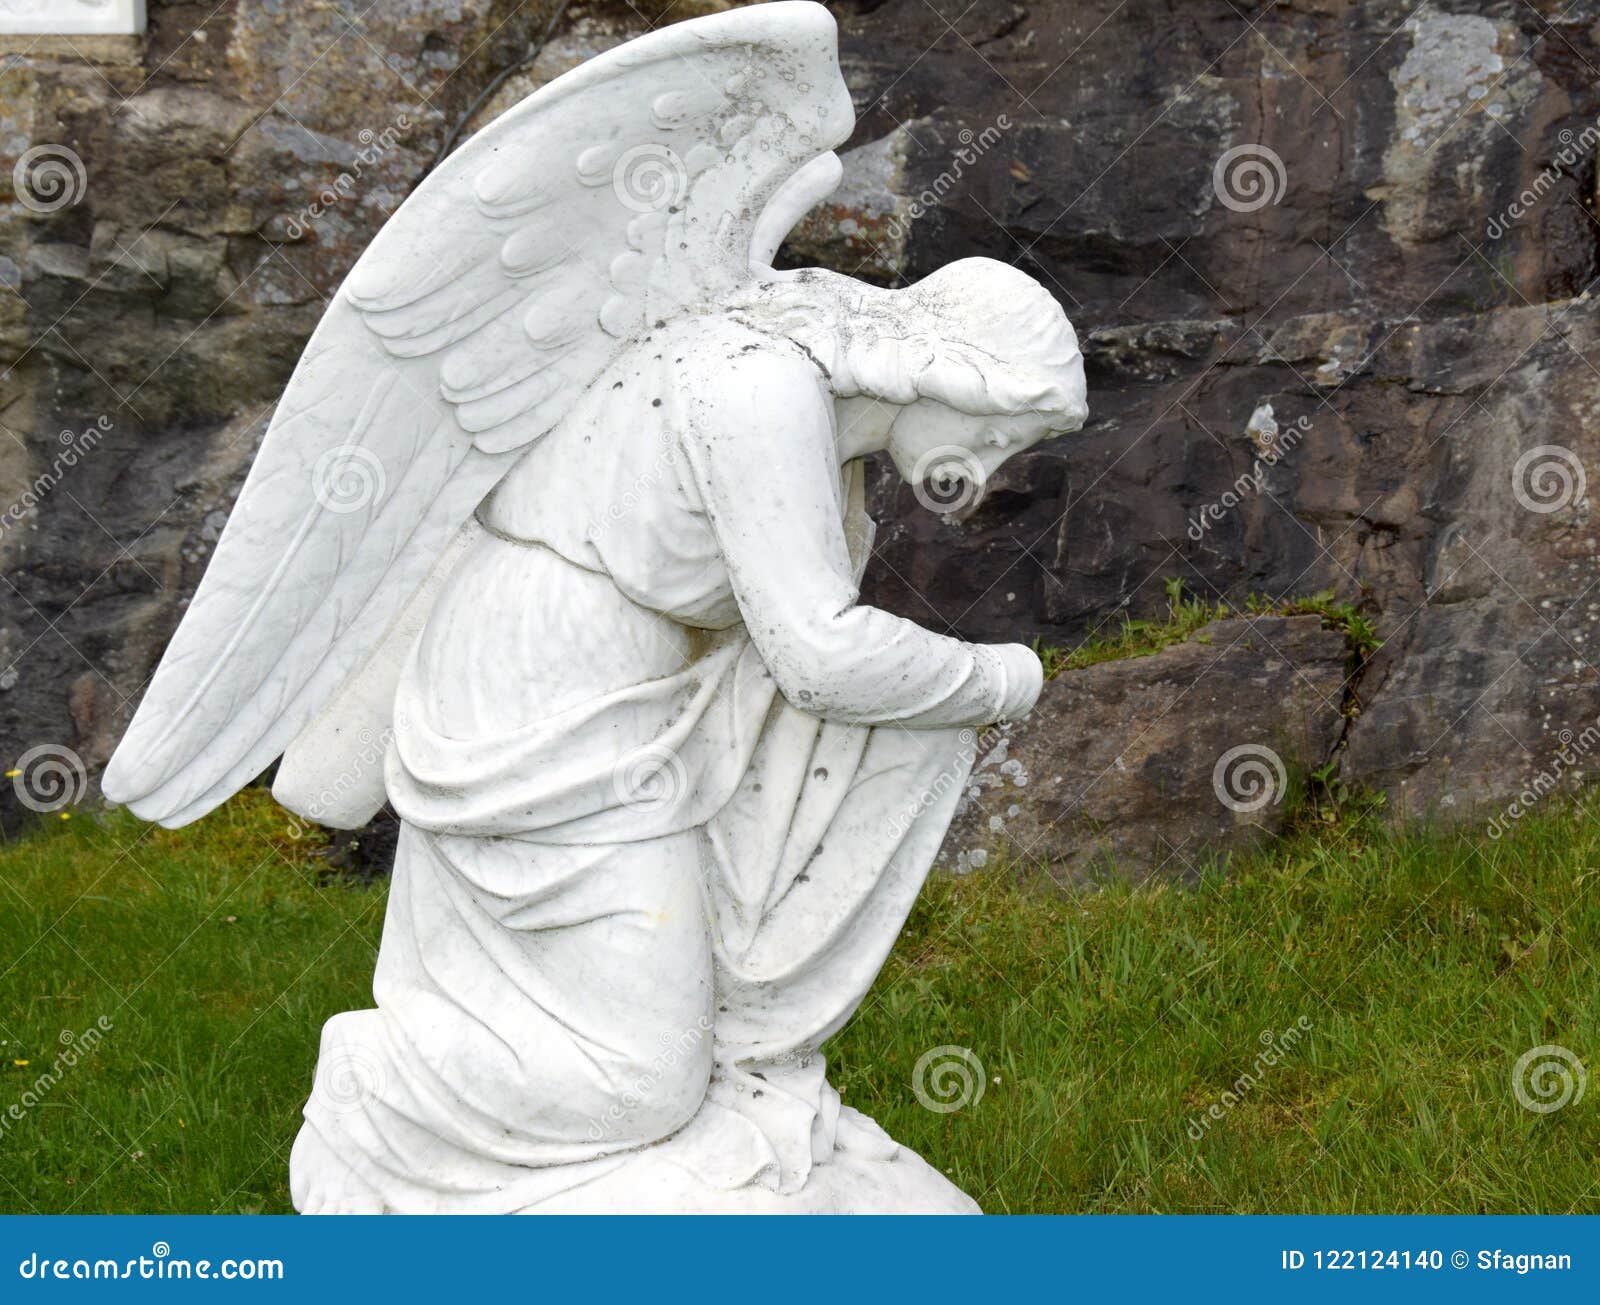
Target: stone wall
164, 255
1329, 261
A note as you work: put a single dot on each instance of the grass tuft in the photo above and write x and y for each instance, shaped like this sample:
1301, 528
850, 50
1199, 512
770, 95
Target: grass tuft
1187, 617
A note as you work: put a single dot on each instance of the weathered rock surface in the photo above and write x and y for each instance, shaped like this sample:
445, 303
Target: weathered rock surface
1397, 298
1148, 764
218, 178
1329, 262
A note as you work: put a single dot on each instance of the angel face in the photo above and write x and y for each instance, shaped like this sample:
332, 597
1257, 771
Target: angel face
932, 441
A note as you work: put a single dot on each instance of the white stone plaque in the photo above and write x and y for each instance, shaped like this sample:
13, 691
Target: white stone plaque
72, 17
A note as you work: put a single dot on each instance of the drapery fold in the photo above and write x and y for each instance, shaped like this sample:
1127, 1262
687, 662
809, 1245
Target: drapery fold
654, 758
560, 1017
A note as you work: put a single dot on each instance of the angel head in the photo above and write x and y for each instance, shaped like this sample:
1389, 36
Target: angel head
960, 371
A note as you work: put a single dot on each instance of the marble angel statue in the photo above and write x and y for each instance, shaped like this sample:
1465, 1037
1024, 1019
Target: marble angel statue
559, 526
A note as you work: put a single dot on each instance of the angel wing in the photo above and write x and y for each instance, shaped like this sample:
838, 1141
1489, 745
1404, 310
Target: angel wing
636, 187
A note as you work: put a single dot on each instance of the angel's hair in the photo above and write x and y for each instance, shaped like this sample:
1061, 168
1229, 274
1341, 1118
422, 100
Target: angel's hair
977, 335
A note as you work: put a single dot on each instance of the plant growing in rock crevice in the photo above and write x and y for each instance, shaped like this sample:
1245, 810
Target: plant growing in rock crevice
1329, 798
1188, 615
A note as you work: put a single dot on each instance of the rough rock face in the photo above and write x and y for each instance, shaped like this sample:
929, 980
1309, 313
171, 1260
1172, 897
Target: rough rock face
1148, 763
1328, 260
1330, 265
197, 195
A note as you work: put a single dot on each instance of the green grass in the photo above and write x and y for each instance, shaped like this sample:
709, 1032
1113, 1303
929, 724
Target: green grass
216, 954
1105, 1022
1187, 617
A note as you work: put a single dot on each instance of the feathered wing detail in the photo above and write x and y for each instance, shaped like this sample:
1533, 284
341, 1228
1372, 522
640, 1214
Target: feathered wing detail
626, 192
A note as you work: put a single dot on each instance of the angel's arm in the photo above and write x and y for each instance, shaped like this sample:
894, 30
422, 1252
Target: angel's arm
761, 450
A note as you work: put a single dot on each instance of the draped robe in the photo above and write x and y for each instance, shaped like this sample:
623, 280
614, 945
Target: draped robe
668, 793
